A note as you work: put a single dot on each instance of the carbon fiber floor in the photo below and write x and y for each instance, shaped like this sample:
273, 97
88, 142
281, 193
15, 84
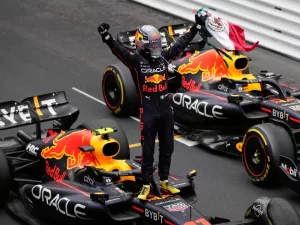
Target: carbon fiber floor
53, 45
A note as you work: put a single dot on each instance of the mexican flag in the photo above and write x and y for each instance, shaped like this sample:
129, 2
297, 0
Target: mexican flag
231, 36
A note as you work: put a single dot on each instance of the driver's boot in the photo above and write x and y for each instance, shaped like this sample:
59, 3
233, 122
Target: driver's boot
167, 187
144, 192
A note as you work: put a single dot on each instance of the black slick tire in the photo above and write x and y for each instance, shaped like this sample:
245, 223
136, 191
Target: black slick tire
262, 146
119, 90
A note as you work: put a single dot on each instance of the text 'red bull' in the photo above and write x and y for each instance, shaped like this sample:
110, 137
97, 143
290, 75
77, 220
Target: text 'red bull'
210, 63
190, 85
158, 88
54, 172
67, 145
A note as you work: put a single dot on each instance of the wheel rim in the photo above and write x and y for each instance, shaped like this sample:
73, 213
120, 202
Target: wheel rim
111, 91
255, 156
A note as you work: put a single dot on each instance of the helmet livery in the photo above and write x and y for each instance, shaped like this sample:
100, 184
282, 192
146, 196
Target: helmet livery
148, 40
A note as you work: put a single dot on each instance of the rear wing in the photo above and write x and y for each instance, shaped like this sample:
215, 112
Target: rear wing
41, 108
169, 34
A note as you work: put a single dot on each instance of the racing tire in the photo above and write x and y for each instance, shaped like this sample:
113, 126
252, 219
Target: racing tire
120, 135
280, 211
119, 90
262, 146
5, 178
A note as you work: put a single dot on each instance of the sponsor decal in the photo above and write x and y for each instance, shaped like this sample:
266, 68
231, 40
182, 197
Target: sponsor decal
137, 166
61, 204
22, 112
295, 107
240, 89
155, 216
49, 104
66, 145
107, 181
178, 185
190, 85
200, 107
89, 180
167, 201
54, 172
222, 87
156, 70
119, 190
281, 115
157, 88
171, 68
176, 207
246, 101
30, 148
155, 79
112, 200
210, 64
290, 170
257, 210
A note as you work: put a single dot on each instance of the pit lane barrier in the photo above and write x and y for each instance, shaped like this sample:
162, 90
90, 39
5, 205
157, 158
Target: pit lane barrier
274, 23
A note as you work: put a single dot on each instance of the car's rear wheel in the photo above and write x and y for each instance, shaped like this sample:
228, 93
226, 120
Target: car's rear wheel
119, 90
120, 135
5, 178
262, 146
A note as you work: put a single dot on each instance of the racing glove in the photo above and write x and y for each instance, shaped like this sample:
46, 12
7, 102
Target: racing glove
103, 31
200, 18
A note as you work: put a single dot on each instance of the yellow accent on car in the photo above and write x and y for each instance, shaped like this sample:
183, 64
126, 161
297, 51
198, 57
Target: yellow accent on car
239, 146
260, 134
37, 105
237, 73
102, 131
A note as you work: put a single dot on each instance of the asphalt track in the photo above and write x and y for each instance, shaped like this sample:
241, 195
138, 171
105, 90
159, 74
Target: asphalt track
48, 46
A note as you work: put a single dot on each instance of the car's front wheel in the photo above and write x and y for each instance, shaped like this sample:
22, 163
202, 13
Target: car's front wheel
262, 146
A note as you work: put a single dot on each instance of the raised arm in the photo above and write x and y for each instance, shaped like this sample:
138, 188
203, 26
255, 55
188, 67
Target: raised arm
182, 42
122, 53
179, 46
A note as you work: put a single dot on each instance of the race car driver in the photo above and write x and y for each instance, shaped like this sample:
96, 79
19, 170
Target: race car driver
149, 70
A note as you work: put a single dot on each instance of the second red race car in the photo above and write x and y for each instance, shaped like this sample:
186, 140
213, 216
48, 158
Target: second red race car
217, 102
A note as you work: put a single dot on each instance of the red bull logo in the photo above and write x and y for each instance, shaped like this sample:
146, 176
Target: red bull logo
67, 145
155, 79
210, 63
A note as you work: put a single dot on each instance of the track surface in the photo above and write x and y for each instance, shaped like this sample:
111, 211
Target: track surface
48, 46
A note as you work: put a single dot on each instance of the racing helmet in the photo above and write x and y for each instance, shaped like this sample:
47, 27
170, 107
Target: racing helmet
148, 41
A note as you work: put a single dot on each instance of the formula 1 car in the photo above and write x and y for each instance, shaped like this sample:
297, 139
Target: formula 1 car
84, 175
217, 102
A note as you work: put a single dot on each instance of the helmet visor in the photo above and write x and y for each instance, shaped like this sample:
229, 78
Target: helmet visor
155, 48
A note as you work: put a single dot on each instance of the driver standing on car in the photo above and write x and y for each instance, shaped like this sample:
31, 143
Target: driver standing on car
149, 70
